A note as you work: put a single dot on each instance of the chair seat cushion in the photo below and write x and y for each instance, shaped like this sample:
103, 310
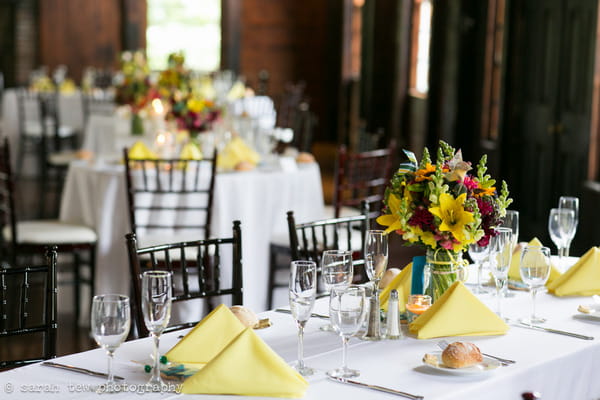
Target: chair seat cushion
34, 129
63, 158
51, 232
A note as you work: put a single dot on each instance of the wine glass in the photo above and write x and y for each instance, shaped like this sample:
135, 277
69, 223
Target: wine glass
570, 203
156, 307
110, 322
535, 270
337, 270
511, 220
501, 249
303, 288
479, 255
347, 309
561, 226
376, 259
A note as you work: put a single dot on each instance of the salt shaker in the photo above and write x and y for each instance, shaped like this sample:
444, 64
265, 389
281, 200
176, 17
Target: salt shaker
393, 317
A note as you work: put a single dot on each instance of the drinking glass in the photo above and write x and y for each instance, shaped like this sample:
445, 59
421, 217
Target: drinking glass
156, 307
347, 309
511, 220
376, 255
303, 288
535, 269
561, 226
501, 251
570, 203
479, 255
337, 270
110, 322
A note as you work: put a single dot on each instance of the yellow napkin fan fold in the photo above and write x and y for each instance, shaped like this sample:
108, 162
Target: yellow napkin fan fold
401, 283
514, 272
582, 279
235, 152
457, 313
139, 151
247, 366
190, 151
207, 339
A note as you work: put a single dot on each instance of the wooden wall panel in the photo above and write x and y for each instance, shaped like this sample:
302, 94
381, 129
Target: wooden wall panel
88, 33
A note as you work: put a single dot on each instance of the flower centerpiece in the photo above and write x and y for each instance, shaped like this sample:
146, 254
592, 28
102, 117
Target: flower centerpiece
193, 112
444, 208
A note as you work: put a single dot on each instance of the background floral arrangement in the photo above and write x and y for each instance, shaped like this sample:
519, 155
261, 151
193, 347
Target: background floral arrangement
133, 86
443, 205
193, 112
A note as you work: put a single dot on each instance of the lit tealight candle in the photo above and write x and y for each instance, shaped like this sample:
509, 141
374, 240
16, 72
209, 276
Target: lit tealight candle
417, 304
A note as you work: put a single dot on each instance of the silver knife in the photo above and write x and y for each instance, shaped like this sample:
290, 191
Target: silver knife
314, 315
80, 370
379, 388
542, 328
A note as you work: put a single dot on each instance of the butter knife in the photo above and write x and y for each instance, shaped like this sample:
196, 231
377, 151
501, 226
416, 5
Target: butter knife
375, 387
565, 333
314, 315
80, 370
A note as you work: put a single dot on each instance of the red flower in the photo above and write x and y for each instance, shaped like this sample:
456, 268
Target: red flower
423, 219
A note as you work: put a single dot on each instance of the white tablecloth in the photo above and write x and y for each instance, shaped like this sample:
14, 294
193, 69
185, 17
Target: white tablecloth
559, 367
94, 195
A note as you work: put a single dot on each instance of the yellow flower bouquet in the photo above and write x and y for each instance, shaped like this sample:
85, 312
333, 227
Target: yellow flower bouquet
444, 208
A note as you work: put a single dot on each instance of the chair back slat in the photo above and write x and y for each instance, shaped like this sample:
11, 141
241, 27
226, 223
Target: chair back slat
202, 258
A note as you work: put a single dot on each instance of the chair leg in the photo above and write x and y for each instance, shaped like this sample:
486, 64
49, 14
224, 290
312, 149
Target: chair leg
77, 283
272, 268
92, 264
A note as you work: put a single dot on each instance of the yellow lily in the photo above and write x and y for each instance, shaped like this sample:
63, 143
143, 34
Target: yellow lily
453, 215
392, 220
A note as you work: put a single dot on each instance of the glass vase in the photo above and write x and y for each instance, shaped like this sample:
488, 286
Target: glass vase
137, 125
442, 269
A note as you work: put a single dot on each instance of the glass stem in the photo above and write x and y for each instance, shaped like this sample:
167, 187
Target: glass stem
345, 353
111, 375
499, 287
479, 268
533, 293
156, 368
301, 345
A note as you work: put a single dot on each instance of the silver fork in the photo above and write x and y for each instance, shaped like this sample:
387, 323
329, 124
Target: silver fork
442, 344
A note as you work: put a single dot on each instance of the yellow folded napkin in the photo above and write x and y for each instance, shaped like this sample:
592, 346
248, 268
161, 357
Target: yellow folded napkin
514, 272
457, 313
235, 152
190, 151
139, 151
207, 339
582, 279
247, 366
401, 283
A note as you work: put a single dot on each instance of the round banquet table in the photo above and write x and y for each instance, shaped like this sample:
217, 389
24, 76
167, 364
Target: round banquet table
94, 195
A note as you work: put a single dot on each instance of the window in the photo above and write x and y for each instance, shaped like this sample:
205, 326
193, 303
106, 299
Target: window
421, 36
191, 26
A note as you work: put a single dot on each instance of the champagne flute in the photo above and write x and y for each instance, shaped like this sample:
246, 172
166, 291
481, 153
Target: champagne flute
535, 270
502, 251
511, 220
337, 270
347, 309
303, 288
376, 259
156, 307
570, 203
561, 226
479, 255
110, 322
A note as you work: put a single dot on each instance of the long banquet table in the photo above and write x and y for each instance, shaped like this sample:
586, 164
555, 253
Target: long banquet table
94, 195
559, 367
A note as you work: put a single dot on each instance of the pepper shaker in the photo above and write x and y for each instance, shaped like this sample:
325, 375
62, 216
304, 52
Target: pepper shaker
373, 328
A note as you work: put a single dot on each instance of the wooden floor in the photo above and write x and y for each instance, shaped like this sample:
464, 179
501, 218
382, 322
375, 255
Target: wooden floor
74, 338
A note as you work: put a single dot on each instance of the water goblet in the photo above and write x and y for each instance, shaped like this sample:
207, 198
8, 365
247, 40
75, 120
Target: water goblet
479, 255
561, 226
535, 270
156, 307
501, 251
570, 203
110, 322
337, 270
303, 288
347, 309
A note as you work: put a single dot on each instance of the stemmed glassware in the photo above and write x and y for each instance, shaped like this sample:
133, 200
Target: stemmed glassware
501, 252
535, 270
561, 226
110, 322
511, 220
376, 260
479, 255
570, 203
156, 307
347, 311
303, 290
337, 270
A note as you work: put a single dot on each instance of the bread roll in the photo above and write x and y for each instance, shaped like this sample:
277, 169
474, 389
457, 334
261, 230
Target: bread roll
461, 355
245, 315
244, 166
305, 158
388, 277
